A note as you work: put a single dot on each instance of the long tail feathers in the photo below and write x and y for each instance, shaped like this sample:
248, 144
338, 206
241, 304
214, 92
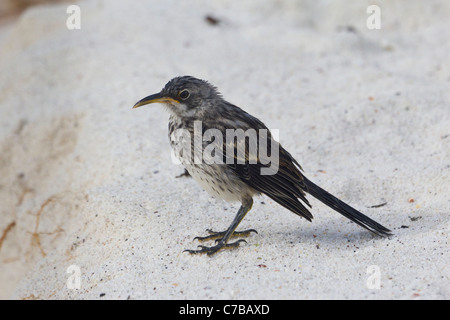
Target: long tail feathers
345, 209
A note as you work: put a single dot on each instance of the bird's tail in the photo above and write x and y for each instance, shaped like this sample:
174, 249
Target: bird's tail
344, 209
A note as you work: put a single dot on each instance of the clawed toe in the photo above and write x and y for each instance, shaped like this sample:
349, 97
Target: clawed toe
184, 174
211, 250
220, 240
214, 235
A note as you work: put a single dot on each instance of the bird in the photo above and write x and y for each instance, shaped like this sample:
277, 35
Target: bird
233, 169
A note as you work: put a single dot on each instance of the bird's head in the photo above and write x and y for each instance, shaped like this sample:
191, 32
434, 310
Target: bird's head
184, 96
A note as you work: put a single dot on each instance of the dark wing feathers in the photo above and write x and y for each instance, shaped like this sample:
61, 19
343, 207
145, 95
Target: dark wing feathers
281, 187
287, 185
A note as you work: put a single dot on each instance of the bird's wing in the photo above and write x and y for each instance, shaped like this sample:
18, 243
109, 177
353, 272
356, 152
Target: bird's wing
273, 172
284, 185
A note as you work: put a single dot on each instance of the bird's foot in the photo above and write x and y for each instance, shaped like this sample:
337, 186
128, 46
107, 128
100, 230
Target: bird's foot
221, 244
223, 237
184, 174
211, 250
214, 235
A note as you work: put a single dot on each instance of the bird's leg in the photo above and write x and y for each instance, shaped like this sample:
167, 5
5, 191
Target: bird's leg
184, 174
222, 242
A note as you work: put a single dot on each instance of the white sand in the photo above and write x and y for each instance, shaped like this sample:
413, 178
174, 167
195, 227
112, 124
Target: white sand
87, 181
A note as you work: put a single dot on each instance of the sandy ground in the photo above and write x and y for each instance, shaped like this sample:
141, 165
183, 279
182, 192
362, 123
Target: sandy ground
91, 209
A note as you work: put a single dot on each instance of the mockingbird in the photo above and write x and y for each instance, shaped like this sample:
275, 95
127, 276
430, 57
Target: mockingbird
237, 170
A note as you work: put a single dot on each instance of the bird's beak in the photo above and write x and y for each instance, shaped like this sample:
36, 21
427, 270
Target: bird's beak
154, 98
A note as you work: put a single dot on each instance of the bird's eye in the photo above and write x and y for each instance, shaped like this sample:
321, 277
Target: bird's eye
184, 94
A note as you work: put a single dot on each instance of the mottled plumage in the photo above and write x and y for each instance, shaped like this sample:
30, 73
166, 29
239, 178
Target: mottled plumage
192, 103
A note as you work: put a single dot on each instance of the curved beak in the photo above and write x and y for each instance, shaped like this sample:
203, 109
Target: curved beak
154, 98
